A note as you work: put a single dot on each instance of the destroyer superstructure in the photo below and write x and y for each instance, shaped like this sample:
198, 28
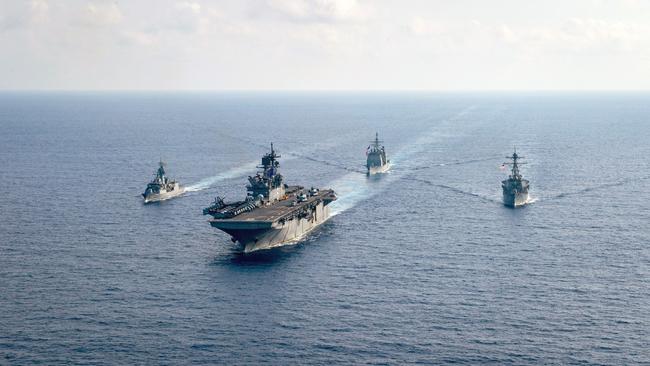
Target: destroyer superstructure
515, 188
273, 213
376, 161
161, 187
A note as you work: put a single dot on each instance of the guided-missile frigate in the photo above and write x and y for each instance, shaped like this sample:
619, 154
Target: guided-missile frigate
515, 188
376, 161
161, 187
273, 213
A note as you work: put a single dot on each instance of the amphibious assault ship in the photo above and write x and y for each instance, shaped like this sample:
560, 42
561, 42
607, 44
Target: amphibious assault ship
376, 161
273, 213
515, 188
161, 187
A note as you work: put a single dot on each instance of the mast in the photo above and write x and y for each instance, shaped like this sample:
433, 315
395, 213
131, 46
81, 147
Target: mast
515, 174
375, 143
270, 163
160, 174
268, 181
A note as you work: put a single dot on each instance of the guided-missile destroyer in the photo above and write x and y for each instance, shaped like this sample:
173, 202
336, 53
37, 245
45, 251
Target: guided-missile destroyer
161, 187
515, 188
376, 161
273, 213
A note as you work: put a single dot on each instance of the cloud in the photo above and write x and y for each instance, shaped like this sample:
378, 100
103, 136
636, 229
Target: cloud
322, 44
421, 27
21, 14
39, 11
138, 38
580, 35
191, 6
571, 35
316, 10
594, 32
100, 14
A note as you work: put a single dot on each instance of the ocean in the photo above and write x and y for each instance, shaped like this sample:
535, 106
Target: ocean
422, 265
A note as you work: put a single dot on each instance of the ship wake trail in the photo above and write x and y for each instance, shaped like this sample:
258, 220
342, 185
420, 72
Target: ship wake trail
598, 187
240, 171
532, 200
404, 157
458, 162
297, 154
353, 187
328, 163
454, 189
208, 182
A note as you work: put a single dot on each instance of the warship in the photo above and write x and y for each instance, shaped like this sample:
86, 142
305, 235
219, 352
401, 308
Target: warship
273, 213
161, 187
376, 157
515, 188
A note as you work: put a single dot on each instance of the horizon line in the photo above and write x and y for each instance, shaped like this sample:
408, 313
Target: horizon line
450, 91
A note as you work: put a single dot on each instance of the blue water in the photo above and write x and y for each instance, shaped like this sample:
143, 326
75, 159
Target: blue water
422, 265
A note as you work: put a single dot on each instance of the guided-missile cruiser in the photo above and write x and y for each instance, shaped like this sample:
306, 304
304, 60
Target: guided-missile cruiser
161, 187
273, 213
515, 188
376, 161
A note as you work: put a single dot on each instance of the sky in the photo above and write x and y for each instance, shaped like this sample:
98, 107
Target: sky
439, 45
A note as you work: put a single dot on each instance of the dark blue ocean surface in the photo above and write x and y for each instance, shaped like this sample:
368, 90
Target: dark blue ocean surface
422, 265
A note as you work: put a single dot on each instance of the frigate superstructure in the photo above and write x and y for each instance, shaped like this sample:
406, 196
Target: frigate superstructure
376, 161
515, 188
161, 187
273, 213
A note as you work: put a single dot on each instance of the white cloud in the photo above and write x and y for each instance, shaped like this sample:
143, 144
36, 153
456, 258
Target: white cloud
101, 14
21, 14
318, 10
192, 6
339, 44
571, 35
39, 11
139, 38
577, 35
421, 27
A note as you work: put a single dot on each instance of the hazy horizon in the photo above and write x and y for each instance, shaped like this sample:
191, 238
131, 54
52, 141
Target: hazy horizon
325, 45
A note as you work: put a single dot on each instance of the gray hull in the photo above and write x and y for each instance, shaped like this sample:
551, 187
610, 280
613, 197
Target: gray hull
515, 200
260, 235
156, 197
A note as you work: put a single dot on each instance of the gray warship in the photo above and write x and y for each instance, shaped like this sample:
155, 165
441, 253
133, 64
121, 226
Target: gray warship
515, 188
376, 161
273, 213
161, 187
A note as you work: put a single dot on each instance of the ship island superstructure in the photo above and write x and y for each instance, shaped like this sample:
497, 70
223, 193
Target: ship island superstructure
273, 213
515, 188
376, 161
161, 187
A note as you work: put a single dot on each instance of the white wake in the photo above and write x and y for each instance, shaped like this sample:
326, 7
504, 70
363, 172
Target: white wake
353, 188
